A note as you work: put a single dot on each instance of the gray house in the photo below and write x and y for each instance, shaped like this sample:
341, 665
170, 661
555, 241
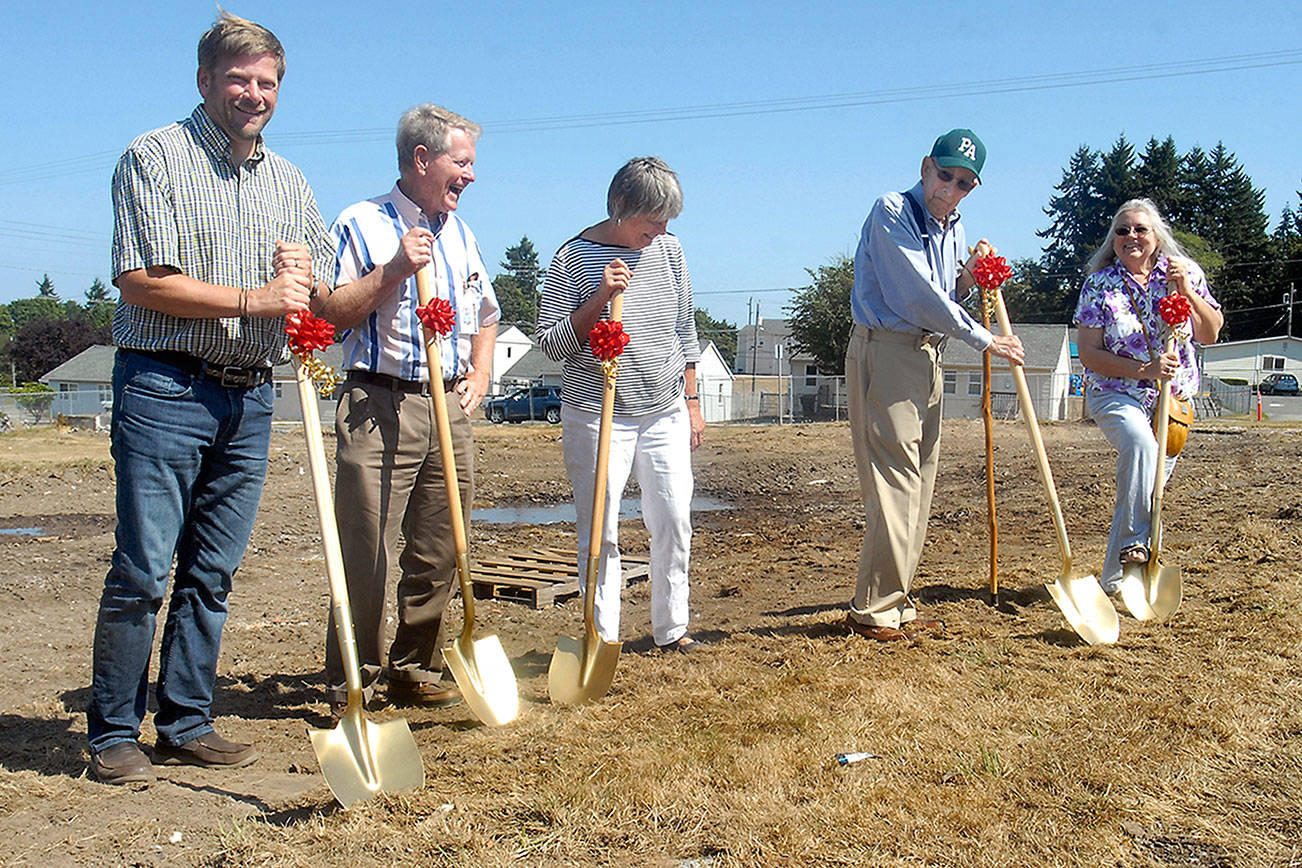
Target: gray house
1047, 368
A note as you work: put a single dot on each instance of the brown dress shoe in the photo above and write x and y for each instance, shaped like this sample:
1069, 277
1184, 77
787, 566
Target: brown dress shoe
875, 632
209, 750
433, 694
123, 763
921, 627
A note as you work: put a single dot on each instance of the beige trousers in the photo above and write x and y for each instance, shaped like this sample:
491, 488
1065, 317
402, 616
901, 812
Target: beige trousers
389, 478
894, 384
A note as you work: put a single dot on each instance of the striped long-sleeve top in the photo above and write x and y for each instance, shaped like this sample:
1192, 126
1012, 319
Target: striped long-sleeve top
659, 318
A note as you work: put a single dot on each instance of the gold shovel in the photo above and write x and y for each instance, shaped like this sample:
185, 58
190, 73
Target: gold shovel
582, 669
1082, 601
1154, 591
480, 666
359, 758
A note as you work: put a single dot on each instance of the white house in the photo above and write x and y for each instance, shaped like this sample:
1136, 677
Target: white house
714, 384
84, 383
1253, 359
512, 345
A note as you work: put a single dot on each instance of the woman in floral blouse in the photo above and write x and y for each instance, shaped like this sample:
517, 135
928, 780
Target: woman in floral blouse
1121, 335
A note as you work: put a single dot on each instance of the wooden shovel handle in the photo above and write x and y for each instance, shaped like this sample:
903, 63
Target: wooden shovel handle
598, 525
1033, 426
1159, 485
434, 360
325, 508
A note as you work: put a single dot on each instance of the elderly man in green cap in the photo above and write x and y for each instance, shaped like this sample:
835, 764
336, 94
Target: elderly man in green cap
909, 277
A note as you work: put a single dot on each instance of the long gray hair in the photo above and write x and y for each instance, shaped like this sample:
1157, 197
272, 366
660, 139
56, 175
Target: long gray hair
1166, 243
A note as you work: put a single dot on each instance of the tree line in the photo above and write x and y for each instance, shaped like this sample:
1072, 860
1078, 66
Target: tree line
1215, 210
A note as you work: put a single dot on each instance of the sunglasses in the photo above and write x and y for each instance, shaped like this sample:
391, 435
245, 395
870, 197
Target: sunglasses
1140, 231
947, 176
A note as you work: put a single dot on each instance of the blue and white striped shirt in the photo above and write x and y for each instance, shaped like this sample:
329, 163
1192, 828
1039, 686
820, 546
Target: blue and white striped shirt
659, 317
178, 202
895, 286
391, 341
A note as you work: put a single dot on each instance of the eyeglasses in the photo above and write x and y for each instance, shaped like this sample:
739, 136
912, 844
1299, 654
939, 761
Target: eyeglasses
947, 176
1140, 231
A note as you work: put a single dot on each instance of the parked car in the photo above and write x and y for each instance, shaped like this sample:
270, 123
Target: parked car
534, 402
1278, 384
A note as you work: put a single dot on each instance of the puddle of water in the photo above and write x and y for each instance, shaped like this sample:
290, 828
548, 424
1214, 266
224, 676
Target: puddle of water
555, 513
21, 531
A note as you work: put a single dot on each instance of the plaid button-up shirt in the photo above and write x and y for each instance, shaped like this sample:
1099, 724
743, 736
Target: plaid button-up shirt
178, 202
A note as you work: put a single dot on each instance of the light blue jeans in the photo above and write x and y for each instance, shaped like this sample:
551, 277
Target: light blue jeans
191, 457
1129, 428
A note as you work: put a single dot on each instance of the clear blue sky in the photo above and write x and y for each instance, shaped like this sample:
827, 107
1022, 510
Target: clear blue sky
784, 120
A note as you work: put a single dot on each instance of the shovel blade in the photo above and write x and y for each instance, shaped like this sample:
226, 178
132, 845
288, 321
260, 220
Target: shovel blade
1134, 592
486, 679
1086, 608
1165, 590
570, 682
1151, 593
360, 758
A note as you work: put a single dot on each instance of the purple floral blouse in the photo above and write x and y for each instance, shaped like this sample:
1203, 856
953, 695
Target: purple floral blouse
1105, 303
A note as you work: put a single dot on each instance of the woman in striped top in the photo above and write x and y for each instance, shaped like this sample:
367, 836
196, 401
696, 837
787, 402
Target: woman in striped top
657, 419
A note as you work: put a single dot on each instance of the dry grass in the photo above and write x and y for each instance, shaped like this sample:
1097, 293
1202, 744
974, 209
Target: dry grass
1009, 743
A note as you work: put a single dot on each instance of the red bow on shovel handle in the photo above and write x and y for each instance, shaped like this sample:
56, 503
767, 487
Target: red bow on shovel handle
437, 316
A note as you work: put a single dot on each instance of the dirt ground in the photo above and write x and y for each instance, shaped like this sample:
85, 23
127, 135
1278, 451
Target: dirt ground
1008, 742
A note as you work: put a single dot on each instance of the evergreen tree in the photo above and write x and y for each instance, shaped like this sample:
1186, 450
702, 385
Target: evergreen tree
97, 293
1117, 183
517, 289
1072, 213
724, 334
99, 307
1158, 177
45, 288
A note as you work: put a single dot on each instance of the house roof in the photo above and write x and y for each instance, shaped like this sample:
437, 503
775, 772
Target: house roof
1043, 343
533, 365
92, 365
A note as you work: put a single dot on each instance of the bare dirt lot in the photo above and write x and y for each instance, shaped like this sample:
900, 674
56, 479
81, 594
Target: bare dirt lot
1010, 742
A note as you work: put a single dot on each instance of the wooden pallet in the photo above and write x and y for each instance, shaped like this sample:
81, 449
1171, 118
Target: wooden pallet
539, 577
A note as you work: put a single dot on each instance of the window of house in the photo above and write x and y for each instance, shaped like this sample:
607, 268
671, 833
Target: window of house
280, 390
68, 388
973, 383
508, 352
105, 393
811, 375
951, 382
1272, 363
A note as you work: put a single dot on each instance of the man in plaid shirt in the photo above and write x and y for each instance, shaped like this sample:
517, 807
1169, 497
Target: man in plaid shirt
215, 240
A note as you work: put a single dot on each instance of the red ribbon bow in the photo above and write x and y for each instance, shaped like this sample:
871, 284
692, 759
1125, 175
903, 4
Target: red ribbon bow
437, 316
307, 333
991, 271
607, 339
1174, 308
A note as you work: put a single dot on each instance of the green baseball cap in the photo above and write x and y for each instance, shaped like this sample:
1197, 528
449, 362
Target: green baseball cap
960, 149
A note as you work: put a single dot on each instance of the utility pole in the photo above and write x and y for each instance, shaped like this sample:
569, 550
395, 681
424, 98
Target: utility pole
1289, 301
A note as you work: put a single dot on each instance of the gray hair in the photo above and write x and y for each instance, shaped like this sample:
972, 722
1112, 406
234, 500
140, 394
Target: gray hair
233, 36
1166, 243
645, 187
430, 125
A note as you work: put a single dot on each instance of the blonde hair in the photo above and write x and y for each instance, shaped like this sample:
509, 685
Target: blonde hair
1166, 243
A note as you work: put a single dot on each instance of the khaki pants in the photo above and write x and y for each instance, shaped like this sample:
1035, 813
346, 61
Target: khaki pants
390, 478
893, 382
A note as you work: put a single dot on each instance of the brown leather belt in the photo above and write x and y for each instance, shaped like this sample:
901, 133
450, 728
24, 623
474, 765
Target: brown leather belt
227, 376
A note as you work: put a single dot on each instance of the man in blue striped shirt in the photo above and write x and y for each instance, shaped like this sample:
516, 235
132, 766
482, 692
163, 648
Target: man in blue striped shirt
390, 472
215, 239
908, 276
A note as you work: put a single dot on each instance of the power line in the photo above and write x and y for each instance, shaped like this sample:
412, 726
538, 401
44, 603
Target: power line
716, 111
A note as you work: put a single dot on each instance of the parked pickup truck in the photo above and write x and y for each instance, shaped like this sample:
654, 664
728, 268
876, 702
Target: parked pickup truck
534, 402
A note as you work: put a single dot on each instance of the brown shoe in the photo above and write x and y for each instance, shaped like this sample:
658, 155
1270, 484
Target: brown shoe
432, 694
920, 627
123, 763
875, 632
209, 750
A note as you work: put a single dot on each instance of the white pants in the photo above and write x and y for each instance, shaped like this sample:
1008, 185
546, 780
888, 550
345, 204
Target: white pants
658, 449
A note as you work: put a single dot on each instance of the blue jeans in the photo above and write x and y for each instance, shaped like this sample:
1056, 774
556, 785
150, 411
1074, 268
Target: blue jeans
191, 457
1129, 428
